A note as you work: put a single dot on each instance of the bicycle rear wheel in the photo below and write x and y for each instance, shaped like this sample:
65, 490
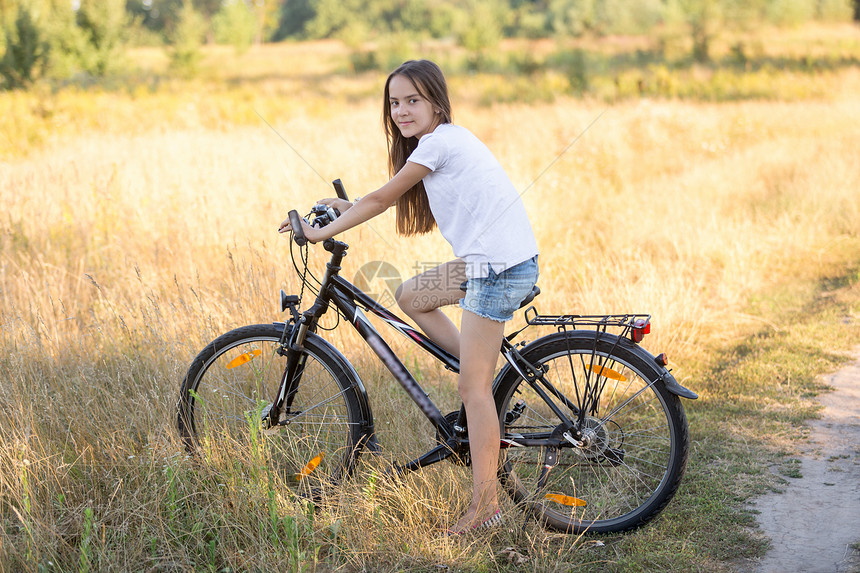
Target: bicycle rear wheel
230, 386
635, 443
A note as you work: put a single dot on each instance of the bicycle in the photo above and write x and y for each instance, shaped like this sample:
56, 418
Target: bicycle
593, 433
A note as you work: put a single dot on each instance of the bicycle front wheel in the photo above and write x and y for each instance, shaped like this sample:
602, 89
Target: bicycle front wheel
633, 450
230, 386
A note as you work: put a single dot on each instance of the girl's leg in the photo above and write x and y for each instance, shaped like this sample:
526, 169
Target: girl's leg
421, 296
480, 341
477, 345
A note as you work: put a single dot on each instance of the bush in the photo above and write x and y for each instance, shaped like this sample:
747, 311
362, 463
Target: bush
26, 52
234, 24
186, 40
70, 48
790, 12
836, 10
479, 29
104, 24
52, 40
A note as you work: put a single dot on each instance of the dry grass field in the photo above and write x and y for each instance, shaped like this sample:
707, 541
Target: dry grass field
139, 222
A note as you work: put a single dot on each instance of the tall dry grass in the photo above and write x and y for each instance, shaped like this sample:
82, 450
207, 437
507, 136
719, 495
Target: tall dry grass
129, 244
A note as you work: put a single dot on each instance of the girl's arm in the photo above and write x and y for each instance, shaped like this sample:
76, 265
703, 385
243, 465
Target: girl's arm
370, 205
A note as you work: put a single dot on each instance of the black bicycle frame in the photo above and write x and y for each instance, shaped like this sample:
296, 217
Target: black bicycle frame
349, 300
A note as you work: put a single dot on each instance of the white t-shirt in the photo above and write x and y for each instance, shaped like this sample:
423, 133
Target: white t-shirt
476, 206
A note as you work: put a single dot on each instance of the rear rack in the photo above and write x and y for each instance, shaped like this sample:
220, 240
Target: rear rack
633, 326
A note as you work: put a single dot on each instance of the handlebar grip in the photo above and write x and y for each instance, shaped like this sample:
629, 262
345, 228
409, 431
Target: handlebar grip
339, 189
298, 231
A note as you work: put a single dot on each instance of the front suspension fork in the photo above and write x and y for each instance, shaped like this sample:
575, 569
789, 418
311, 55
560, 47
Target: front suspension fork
292, 347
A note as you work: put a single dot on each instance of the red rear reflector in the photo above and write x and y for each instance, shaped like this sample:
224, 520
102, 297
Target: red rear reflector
662, 359
640, 328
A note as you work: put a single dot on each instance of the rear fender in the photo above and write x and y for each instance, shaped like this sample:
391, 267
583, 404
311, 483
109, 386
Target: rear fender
622, 345
675, 388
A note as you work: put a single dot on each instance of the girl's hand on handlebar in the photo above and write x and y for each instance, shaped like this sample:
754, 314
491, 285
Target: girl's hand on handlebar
340, 204
312, 234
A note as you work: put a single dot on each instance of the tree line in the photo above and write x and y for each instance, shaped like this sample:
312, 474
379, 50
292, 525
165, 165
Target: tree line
63, 38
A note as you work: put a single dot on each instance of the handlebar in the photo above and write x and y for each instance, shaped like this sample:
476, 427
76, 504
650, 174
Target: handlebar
339, 189
323, 215
296, 225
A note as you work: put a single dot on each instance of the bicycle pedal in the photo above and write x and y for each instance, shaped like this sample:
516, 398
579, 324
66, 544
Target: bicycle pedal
314, 495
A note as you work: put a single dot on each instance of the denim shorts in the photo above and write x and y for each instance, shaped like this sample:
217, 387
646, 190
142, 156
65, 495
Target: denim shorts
498, 295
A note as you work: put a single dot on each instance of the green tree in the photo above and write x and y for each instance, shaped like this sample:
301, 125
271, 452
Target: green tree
26, 53
294, 17
570, 17
268, 13
528, 19
791, 12
703, 18
479, 29
8, 13
186, 40
70, 51
153, 15
235, 24
162, 16
337, 18
626, 16
208, 9
839, 10
104, 24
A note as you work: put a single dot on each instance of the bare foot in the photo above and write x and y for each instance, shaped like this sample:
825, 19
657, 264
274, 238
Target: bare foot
474, 518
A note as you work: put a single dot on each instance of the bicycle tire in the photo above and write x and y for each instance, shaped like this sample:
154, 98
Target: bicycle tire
639, 438
232, 381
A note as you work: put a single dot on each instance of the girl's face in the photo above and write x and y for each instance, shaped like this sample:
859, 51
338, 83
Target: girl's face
413, 114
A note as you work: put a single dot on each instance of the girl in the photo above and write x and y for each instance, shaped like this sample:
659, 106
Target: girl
443, 175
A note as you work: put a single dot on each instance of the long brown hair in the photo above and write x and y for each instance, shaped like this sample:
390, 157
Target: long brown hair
413, 208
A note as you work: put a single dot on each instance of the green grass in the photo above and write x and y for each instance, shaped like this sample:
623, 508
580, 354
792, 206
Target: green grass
855, 548
234, 514
756, 394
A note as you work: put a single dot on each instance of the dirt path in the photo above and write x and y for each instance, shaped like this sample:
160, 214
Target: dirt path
815, 521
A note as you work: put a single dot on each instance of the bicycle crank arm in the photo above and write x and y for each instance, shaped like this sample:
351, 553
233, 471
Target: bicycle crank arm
437, 454
550, 460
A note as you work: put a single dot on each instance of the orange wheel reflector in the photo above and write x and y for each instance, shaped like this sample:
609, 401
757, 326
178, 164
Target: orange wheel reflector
310, 467
244, 358
607, 372
566, 500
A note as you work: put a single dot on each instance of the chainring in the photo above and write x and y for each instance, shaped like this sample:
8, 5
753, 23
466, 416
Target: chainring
462, 457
